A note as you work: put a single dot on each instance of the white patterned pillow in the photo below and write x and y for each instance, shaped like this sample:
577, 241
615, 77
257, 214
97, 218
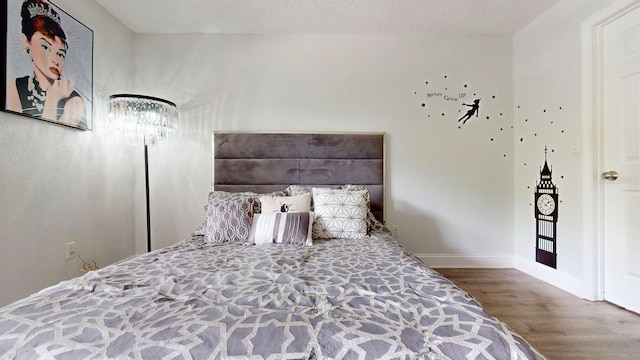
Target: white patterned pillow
229, 220
282, 227
372, 223
298, 203
340, 214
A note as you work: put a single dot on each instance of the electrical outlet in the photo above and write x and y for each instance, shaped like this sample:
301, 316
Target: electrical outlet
71, 250
395, 231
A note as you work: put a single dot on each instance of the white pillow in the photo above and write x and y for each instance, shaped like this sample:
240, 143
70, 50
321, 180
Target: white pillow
283, 228
340, 214
298, 203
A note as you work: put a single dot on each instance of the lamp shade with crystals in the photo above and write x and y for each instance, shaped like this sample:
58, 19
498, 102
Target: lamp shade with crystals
145, 119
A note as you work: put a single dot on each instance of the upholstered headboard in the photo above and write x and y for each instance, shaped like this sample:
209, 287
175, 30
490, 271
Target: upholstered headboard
270, 161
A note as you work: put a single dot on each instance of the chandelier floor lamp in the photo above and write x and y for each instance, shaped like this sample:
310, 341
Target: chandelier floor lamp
146, 120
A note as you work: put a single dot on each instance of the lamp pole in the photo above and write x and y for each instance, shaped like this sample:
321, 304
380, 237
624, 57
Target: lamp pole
145, 118
146, 177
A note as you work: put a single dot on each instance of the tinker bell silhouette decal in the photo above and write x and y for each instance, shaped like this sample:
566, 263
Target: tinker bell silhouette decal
473, 111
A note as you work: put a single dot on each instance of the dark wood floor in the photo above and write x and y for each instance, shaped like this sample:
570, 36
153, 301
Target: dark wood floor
560, 325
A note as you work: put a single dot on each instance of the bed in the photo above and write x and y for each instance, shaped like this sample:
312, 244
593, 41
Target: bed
313, 274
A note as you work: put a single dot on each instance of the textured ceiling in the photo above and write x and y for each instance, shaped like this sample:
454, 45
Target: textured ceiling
362, 17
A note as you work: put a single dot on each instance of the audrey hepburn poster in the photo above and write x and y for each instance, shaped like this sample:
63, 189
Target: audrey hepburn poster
48, 62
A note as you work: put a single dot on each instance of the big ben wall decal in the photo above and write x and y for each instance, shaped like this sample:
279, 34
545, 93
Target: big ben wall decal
546, 214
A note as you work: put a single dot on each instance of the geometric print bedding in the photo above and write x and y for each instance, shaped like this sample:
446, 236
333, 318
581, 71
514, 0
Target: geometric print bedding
338, 299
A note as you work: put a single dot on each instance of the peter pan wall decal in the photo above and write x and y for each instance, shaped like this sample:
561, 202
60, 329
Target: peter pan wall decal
475, 109
457, 101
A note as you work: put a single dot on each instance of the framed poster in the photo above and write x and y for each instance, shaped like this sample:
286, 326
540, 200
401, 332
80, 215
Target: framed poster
47, 64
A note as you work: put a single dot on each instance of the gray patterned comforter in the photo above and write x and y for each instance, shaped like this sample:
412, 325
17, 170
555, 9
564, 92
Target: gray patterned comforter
337, 299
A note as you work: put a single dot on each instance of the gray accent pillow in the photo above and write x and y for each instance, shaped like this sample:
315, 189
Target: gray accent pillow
229, 220
221, 196
228, 216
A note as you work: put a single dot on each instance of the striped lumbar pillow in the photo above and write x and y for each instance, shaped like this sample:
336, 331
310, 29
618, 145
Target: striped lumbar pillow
285, 228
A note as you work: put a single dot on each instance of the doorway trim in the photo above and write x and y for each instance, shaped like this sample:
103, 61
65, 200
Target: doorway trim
593, 144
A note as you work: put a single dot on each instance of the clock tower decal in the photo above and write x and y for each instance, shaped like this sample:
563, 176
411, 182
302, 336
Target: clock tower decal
546, 214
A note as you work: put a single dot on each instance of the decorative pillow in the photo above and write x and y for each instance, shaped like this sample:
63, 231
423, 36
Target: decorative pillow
293, 190
229, 220
298, 203
221, 196
283, 228
372, 223
340, 213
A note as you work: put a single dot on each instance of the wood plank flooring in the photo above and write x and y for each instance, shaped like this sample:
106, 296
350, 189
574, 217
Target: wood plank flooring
559, 325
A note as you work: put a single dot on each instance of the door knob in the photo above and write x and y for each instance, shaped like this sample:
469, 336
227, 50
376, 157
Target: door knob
610, 175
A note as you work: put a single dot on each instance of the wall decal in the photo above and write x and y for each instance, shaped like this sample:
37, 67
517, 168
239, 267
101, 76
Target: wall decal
475, 108
440, 97
546, 214
547, 118
542, 119
447, 98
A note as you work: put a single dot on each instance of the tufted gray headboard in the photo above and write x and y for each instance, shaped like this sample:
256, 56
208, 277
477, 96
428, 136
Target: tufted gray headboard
269, 161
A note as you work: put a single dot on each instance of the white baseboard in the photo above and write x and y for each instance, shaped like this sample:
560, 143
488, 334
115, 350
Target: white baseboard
563, 281
466, 261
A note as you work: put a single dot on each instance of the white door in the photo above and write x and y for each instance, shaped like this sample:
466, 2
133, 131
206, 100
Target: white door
621, 94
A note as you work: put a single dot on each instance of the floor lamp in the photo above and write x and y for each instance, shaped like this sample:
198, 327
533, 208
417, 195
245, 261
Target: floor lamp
146, 120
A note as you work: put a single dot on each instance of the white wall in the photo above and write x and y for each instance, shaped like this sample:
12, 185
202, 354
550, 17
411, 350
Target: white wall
60, 185
547, 112
449, 188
